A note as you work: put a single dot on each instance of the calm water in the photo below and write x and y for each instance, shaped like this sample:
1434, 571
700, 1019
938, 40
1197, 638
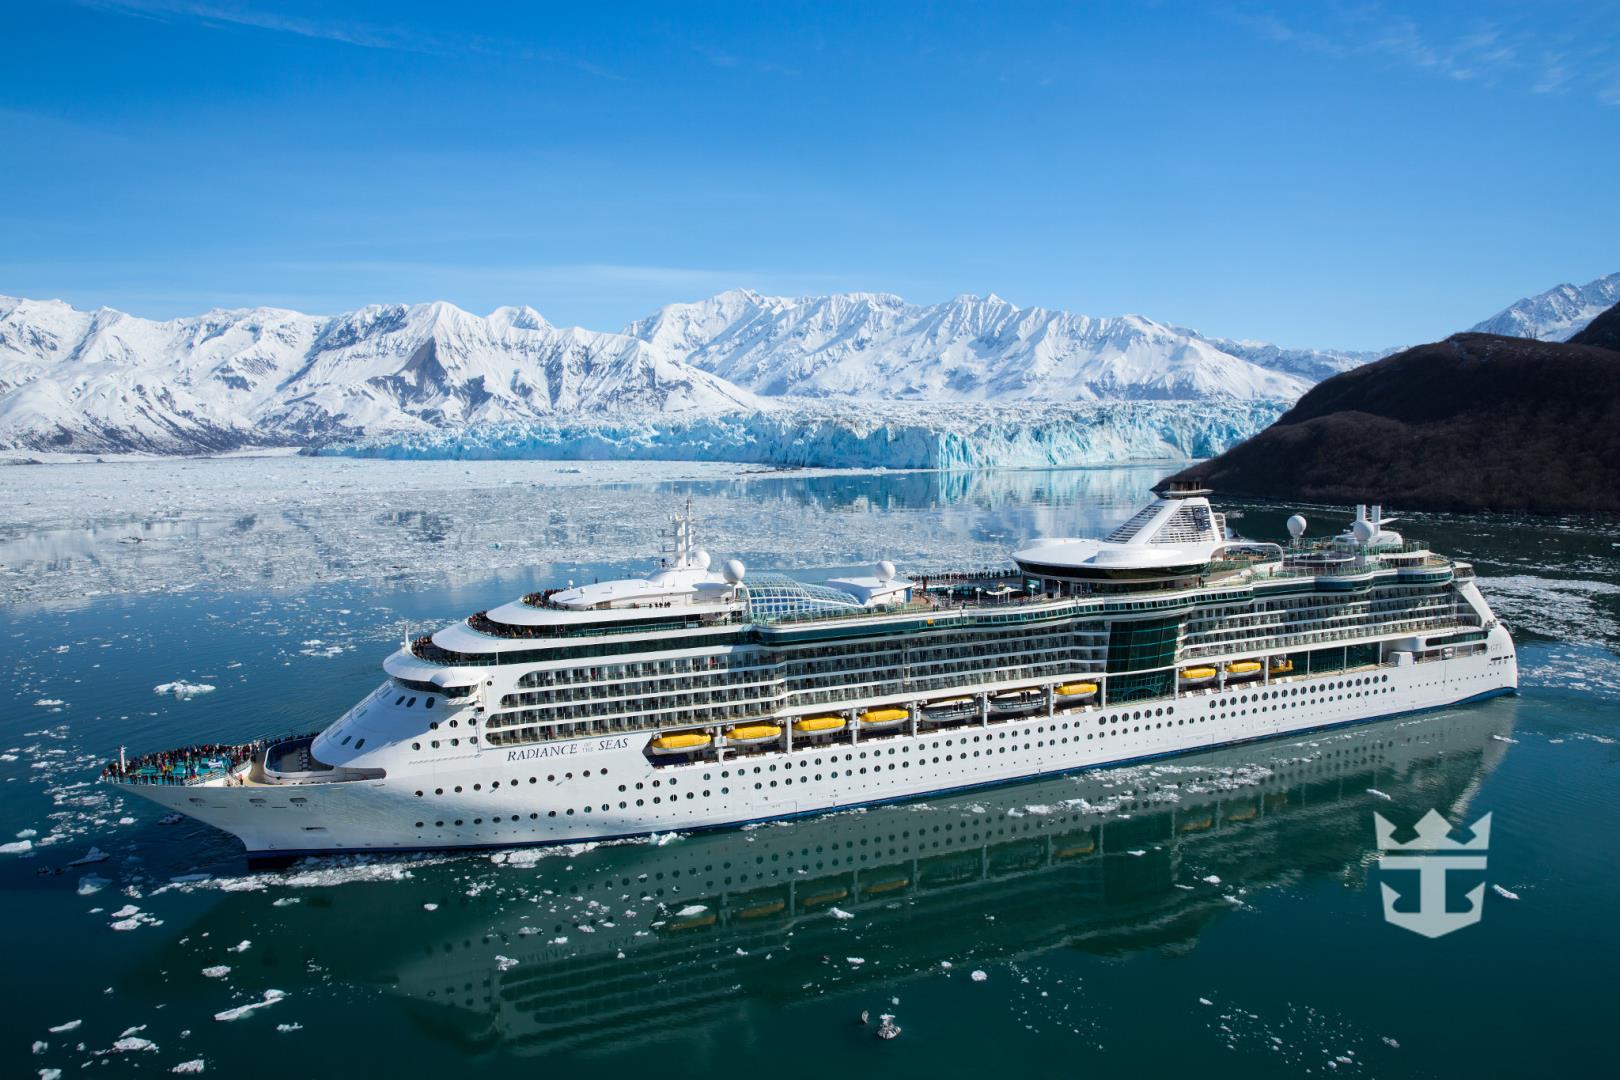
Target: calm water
1213, 915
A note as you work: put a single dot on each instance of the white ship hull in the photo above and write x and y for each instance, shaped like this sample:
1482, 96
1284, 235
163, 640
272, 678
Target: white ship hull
606, 787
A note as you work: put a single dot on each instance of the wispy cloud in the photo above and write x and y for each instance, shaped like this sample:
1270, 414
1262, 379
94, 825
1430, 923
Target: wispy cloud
1546, 55
360, 34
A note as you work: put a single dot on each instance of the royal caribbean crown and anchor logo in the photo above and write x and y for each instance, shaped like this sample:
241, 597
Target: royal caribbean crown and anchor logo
1432, 856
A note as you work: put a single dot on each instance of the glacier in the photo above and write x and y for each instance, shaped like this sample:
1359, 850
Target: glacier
859, 435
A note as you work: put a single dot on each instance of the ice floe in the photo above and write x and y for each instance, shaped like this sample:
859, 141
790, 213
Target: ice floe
270, 998
182, 689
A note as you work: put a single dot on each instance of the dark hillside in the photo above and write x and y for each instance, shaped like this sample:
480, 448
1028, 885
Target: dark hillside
1470, 423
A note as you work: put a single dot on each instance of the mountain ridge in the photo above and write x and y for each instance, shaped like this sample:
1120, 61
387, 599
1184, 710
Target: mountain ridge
1557, 314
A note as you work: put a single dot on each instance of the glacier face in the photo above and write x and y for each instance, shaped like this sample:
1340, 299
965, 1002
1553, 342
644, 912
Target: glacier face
891, 435
1557, 314
877, 346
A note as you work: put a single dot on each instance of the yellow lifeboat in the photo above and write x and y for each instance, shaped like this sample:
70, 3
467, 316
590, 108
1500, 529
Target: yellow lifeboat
696, 922
1077, 690
680, 742
1282, 667
1074, 851
1243, 669
1197, 676
762, 911
821, 899
748, 734
878, 719
818, 725
1197, 824
886, 886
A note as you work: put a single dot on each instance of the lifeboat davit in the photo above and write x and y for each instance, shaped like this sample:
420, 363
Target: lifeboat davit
680, 742
1197, 676
884, 719
751, 734
818, 725
1017, 702
1243, 669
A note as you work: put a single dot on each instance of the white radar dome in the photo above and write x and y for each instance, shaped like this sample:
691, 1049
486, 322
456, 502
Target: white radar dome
701, 560
1364, 531
885, 571
735, 570
1296, 526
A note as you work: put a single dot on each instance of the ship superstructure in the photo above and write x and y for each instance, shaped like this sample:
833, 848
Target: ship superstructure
695, 698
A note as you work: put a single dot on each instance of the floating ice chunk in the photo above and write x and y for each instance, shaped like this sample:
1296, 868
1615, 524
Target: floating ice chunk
505, 963
1205, 1001
284, 1028
1379, 794
183, 689
94, 855
131, 1044
241, 946
945, 965
50, 1074
978, 976
430, 907
90, 884
840, 913
270, 998
1505, 893
286, 901
195, 1065
50, 702
69, 1026
1212, 879
218, 971
1138, 852
16, 847
857, 961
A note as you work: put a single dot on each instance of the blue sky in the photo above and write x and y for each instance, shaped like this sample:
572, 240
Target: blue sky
1353, 175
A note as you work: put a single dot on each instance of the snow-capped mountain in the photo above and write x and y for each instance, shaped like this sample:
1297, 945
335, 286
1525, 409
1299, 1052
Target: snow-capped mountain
105, 380
877, 346
1557, 314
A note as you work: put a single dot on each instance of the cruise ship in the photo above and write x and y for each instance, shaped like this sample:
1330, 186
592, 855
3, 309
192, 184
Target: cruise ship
694, 698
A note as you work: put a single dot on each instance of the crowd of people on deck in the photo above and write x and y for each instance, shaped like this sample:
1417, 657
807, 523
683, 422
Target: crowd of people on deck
182, 766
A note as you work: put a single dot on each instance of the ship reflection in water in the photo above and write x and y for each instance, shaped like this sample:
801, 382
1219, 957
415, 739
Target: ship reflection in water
639, 941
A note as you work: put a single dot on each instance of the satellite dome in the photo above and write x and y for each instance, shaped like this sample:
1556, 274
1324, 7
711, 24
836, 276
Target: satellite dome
701, 559
734, 571
1364, 531
885, 571
1296, 526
